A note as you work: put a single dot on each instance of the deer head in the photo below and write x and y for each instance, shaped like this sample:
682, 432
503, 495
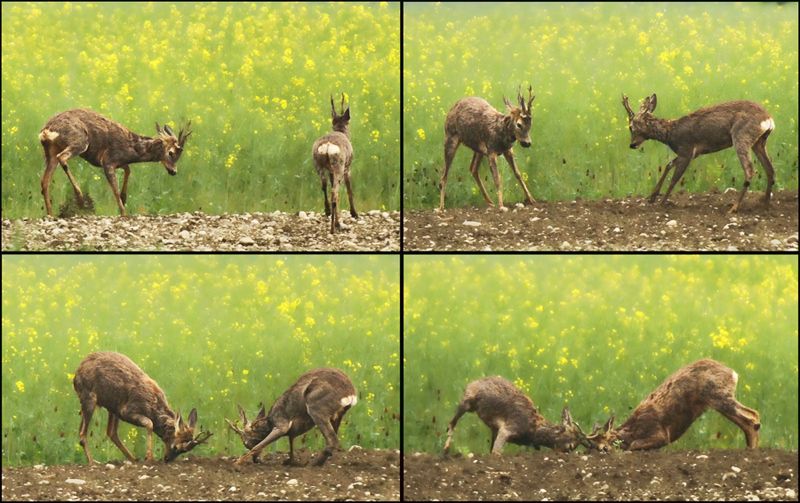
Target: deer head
340, 121
173, 146
520, 117
641, 123
602, 438
183, 439
255, 431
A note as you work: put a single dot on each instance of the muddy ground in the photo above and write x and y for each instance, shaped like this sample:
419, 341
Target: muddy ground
362, 475
762, 474
694, 222
375, 231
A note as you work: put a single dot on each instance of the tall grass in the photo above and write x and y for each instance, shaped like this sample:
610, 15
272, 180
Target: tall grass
598, 334
254, 79
213, 331
580, 58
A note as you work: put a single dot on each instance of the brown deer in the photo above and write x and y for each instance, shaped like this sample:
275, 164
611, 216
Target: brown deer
668, 412
512, 417
476, 124
320, 398
332, 155
742, 124
105, 144
111, 380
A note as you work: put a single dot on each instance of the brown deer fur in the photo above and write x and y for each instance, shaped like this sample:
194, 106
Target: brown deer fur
671, 409
320, 398
743, 125
512, 417
332, 155
105, 144
111, 380
475, 123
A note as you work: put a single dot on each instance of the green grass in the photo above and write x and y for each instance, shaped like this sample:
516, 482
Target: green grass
213, 331
597, 334
254, 79
580, 58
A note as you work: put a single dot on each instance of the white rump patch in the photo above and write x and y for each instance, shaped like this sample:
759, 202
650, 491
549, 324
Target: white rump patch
328, 148
768, 125
349, 400
46, 133
735, 375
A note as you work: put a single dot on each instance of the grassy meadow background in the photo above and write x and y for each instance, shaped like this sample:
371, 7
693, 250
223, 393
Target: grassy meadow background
597, 334
580, 58
255, 79
213, 331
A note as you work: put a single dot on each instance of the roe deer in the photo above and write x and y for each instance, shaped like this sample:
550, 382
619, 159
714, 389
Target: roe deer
111, 380
476, 124
513, 418
105, 144
742, 124
668, 412
333, 154
320, 397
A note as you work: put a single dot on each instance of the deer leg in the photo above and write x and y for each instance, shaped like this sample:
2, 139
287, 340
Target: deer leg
741, 416
111, 431
747, 166
291, 461
496, 177
51, 162
112, 180
276, 433
760, 148
337, 180
124, 194
509, 155
462, 408
325, 191
87, 409
655, 441
450, 147
350, 193
502, 437
494, 439
680, 164
474, 167
654, 195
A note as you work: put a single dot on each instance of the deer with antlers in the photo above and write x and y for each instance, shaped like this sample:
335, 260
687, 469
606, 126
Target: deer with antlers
105, 144
488, 133
668, 412
112, 380
513, 418
744, 125
332, 155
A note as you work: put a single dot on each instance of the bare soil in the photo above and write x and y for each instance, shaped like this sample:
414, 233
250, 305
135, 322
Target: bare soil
363, 475
761, 474
375, 231
694, 222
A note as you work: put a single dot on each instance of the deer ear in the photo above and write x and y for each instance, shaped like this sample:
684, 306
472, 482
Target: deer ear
609, 424
566, 417
346, 114
192, 418
509, 106
169, 131
653, 103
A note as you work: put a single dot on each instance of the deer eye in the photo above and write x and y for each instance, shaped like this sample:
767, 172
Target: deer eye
519, 126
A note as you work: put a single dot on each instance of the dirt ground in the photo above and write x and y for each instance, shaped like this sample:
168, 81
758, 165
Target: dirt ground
374, 231
761, 474
362, 475
693, 222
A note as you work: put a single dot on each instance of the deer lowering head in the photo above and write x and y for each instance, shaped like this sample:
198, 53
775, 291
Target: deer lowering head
671, 409
743, 125
488, 133
105, 144
332, 155
513, 418
320, 398
111, 380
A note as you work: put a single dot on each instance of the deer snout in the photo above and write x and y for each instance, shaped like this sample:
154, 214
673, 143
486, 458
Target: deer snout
171, 169
525, 143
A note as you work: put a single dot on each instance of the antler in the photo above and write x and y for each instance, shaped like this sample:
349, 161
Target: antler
342, 112
181, 136
526, 107
627, 106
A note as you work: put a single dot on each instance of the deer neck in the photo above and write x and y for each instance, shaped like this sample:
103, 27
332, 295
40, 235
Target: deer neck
660, 129
164, 426
345, 130
144, 149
